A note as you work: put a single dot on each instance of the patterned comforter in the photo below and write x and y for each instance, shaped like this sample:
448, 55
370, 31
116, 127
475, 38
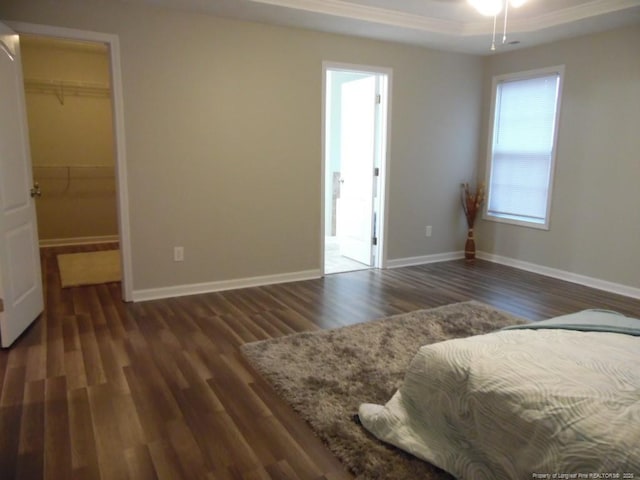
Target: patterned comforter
521, 404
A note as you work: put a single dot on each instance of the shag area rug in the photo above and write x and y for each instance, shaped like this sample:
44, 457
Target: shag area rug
89, 268
325, 375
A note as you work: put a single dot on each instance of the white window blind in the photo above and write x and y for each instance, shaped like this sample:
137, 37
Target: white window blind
523, 148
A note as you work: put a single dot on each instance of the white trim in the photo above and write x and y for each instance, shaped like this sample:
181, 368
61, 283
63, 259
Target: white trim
122, 197
605, 285
592, 282
424, 259
571, 14
323, 169
62, 242
209, 287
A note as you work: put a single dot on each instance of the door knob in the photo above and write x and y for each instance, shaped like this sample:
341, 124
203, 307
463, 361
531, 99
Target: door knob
35, 191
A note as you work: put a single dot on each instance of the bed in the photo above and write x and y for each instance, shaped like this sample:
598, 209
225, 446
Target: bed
552, 399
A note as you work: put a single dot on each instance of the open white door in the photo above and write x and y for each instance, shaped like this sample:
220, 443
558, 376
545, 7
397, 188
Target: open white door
20, 277
354, 208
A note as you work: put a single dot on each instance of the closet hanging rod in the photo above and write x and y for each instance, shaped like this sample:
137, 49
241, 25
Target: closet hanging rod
95, 171
74, 166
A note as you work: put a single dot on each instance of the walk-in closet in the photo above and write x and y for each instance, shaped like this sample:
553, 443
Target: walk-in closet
69, 113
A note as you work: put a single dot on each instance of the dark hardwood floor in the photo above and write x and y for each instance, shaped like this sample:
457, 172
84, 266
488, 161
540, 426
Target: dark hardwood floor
100, 389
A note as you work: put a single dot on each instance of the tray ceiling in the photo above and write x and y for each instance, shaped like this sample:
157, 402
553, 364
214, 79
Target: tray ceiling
443, 24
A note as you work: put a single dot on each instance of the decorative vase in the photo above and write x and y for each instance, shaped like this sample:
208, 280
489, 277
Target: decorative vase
470, 247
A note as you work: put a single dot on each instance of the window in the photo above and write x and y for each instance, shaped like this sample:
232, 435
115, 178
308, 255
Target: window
525, 114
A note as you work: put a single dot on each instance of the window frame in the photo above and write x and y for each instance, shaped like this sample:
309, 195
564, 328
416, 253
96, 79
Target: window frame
524, 75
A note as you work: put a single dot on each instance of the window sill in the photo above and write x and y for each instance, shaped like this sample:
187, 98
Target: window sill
516, 221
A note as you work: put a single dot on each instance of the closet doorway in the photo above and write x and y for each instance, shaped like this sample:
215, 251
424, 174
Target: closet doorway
69, 112
73, 92
355, 166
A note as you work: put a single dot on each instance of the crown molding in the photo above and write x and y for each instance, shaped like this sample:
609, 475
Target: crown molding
396, 18
576, 13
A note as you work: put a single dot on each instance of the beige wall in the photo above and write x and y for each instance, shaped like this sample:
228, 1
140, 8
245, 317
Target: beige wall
68, 133
595, 214
223, 138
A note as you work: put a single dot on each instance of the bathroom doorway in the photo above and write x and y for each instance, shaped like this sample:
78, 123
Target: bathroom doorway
355, 166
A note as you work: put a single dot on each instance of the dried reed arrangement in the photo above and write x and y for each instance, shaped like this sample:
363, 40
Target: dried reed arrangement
471, 204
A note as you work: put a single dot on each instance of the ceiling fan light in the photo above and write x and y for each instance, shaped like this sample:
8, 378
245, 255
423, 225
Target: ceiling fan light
517, 3
489, 8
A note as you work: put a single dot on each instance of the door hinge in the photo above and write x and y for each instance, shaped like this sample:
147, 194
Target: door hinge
374, 241
378, 99
35, 191
376, 172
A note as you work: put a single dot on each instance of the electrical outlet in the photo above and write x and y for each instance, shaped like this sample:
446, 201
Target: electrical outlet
427, 231
178, 254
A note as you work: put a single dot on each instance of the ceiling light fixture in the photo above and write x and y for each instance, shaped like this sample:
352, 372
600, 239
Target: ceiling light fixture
491, 8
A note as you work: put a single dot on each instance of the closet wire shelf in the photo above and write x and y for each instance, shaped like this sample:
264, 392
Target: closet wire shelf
64, 88
70, 173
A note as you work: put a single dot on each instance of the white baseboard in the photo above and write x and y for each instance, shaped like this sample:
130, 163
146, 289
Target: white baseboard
423, 259
63, 242
605, 285
209, 287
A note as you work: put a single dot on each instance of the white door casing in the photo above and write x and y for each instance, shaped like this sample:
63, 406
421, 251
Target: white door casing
21, 283
113, 43
354, 209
